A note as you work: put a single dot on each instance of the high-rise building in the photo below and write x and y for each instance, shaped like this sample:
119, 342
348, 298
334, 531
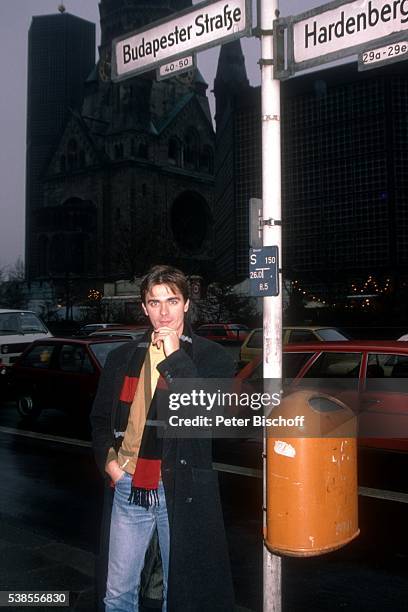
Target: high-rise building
344, 161
344, 175
238, 161
61, 54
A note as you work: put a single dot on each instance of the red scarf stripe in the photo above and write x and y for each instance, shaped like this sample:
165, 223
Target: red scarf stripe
128, 389
147, 473
161, 384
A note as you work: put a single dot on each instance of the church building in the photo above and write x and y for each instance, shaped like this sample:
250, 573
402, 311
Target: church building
130, 178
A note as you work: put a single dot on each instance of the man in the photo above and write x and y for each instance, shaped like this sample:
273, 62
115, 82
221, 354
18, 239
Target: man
163, 485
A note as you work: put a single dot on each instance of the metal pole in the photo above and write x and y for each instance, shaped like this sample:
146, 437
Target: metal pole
272, 306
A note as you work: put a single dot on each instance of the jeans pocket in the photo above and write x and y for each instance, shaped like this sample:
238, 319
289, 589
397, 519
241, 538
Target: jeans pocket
123, 477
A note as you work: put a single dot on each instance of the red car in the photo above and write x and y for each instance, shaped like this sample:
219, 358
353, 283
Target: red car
59, 373
370, 377
224, 333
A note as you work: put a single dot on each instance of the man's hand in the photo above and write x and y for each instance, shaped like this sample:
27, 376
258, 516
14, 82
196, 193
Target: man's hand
167, 337
114, 471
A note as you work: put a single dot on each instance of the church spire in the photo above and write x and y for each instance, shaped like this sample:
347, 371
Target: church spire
231, 77
231, 66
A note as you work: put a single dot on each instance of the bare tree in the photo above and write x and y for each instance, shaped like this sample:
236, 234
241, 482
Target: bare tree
222, 303
12, 285
16, 272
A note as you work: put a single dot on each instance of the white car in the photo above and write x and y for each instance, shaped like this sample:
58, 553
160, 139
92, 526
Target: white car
403, 338
18, 329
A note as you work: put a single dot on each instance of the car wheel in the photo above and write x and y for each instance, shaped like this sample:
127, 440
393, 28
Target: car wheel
27, 406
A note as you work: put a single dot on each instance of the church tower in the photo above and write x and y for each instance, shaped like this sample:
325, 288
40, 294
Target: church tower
133, 173
237, 129
231, 78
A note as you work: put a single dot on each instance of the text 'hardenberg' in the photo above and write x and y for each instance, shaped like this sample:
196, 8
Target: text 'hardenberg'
367, 18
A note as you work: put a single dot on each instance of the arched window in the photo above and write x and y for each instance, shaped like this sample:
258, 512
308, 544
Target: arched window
174, 152
72, 150
191, 148
76, 253
190, 221
62, 163
82, 159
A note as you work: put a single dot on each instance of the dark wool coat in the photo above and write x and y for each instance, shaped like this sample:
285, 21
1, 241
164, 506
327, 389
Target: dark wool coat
199, 574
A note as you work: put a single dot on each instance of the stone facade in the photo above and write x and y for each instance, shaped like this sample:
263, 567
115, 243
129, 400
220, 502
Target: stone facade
131, 181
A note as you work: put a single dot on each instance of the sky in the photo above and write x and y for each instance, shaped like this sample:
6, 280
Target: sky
15, 19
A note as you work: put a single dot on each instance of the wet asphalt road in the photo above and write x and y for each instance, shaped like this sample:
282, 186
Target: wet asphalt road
52, 492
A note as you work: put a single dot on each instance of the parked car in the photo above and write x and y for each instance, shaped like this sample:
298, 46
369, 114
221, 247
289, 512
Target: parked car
59, 373
128, 333
370, 377
18, 328
252, 346
87, 329
224, 333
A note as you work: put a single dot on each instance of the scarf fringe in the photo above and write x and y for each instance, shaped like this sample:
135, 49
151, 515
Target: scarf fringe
144, 497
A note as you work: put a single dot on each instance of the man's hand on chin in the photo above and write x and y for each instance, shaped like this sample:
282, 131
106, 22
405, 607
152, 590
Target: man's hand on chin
167, 337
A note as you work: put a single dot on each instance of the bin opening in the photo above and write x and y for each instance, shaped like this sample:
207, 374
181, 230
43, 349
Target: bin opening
324, 404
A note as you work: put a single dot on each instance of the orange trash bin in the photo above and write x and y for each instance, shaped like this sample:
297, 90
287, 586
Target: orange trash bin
312, 478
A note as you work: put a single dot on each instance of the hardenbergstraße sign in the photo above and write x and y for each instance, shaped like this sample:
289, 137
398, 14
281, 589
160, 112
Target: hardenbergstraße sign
348, 25
338, 29
205, 25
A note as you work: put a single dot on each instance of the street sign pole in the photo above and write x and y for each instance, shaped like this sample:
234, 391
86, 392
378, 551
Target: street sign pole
272, 306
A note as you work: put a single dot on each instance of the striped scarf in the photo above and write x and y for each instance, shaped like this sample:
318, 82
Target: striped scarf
145, 481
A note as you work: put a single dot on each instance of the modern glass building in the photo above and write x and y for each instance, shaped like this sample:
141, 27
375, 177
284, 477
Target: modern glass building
345, 168
61, 54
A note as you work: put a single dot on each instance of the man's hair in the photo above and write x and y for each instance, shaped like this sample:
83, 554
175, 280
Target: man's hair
165, 275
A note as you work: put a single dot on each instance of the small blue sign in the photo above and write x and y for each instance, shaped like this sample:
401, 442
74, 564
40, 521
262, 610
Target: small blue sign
263, 271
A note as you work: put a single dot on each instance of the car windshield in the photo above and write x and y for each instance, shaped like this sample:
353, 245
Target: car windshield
331, 335
101, 350
256, 340
20, 323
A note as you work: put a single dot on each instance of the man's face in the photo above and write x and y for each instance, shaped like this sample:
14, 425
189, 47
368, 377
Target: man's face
165, 307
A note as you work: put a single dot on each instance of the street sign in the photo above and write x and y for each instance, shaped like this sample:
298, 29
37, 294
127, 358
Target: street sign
263, 271
200, 27
183, 64
338, 29
387, 54
255, 223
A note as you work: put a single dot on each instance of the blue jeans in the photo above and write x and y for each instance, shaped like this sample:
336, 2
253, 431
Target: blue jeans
131, 530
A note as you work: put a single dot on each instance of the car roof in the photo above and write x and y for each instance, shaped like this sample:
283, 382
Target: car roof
117, 330
308, 327
124, 333
219, 325
84, 341
7, 310
348, 346
104, 324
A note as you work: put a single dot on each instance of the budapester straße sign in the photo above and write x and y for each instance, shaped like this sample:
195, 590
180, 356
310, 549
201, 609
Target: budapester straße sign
205, 25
